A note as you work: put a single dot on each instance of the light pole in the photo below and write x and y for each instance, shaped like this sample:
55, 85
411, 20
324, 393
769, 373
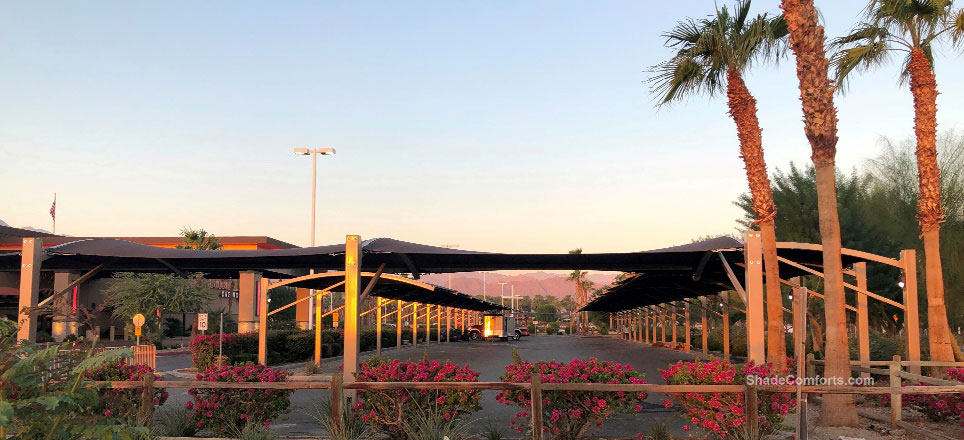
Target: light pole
313, 152
502, 294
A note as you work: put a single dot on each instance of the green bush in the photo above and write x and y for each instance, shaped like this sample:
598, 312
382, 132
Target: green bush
283, 346
553, 328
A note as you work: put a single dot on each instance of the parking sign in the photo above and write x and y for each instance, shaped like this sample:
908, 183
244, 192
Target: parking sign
202, 321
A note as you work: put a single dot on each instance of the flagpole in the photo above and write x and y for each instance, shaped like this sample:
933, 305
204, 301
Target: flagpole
54, 215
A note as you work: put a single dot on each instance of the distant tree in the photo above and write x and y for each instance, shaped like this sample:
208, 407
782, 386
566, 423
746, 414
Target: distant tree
578, 277
152, 295
547, 313
199, 239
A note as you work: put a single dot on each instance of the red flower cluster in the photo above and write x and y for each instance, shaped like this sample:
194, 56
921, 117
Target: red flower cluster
569, 414
224, 410
937, 407
123, 403
386, 410
723, 413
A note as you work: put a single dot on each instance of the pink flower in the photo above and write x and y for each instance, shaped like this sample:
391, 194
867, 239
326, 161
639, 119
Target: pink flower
667, 403
108, 412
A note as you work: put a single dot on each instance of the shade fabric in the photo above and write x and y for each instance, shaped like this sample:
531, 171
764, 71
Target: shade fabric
420, 292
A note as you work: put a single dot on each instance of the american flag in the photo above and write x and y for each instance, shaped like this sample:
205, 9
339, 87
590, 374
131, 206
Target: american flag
53, 208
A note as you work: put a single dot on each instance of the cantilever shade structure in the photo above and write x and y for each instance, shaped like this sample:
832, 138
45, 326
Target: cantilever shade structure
394, 287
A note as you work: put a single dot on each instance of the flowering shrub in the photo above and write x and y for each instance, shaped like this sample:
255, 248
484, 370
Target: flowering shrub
937, 407
723, 413
123, 403
569, 414
387, 410
224, 411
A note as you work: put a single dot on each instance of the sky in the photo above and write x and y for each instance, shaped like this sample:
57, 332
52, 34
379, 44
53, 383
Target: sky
500, 126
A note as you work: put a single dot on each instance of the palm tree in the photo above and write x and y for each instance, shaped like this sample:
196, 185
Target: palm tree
582, 289
913, 27
712, 56
807, 41
199, 239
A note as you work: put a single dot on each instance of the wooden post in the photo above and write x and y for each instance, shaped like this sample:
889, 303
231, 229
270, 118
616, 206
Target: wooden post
908, 259
378, 326
896, 403
398, 325
337, 397
752, 412
263, 322
686, 324
662, 324
795, 308
31, 258
706, 330
535, 395
800, 340
147, 398
646, 325
863, 321
414, 324
726, 326
675, 318
811, 368
353, 266
428, 323
755, 322
448, 324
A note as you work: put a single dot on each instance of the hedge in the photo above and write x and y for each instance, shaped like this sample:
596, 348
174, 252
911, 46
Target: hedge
284, 346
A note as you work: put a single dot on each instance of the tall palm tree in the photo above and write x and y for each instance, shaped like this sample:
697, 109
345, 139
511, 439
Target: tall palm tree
578, 277
807, 41
712, 56
913, 27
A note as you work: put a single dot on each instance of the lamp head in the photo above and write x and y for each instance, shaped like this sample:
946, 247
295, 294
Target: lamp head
302, 151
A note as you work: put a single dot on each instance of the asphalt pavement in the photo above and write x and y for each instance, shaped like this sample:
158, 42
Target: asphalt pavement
490, 359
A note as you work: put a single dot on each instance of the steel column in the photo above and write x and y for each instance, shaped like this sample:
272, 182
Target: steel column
726, 325
263, 321
705, 336
398, 325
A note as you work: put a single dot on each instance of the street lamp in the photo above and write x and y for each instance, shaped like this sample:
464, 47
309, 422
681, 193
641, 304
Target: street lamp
313, 152
502, 294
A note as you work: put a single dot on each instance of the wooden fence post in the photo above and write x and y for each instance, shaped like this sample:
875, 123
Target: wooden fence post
535, 395
752, 417
811, 368
895, 398
147, 399
337, 393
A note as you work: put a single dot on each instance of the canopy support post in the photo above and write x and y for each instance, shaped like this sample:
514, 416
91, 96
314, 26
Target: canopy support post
908, 259
263, 321
353, 265
705, 328
675, 319
248, 282
863, 320
378, 326
755, 322
398, 325
686, 324
726, 325
30, 261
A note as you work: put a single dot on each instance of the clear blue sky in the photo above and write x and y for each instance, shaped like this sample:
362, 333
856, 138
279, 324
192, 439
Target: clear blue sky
514, 126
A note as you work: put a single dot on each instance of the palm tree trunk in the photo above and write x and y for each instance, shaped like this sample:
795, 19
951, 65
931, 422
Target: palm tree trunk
744, 113
807, 41
930, 211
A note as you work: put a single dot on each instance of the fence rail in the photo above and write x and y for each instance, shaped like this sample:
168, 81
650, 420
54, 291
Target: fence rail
536, 388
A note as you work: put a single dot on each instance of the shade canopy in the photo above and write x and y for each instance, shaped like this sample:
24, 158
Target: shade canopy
394, 287
397, 256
